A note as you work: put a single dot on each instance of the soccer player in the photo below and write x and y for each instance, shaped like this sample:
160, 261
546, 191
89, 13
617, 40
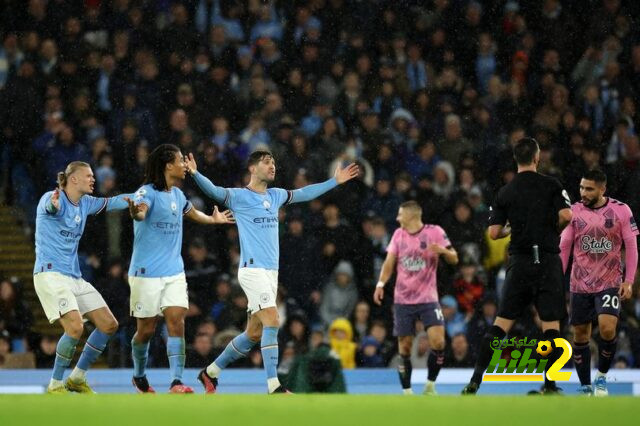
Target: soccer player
255, 207
156, 274
599, 227
415, 248
534, 209
61, 216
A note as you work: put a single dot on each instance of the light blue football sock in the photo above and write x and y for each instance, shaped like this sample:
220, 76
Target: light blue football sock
176, 355
94, 346
139, 353
238, 348
269, 348
64, 354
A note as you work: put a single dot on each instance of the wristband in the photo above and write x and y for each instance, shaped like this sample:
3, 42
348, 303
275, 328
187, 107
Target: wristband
380, 284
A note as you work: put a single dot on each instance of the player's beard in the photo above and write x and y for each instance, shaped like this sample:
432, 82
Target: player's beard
589, 202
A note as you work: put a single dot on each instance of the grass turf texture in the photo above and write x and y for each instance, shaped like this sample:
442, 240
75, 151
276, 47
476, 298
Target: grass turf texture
325, 410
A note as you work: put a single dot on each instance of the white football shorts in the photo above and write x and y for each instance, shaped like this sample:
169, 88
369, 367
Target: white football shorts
150, 296
59, 294
260, 286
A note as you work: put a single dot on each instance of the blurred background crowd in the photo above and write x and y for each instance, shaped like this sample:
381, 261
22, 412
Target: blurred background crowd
427, 96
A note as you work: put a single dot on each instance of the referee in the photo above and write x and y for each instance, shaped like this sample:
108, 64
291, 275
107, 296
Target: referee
534, 209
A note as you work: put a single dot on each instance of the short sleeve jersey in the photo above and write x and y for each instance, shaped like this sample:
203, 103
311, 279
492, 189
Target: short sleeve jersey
531, 202
416, 265
157, 240
58, 235
598, 236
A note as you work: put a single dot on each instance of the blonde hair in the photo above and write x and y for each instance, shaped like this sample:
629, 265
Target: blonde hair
71, 168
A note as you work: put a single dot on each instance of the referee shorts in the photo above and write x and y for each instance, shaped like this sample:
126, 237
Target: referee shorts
538, 283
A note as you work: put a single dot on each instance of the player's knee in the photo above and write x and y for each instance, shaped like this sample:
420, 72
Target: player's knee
437, 344
74, 329
255, 335
110, 327
404, 346
608, 332
405, 350
175, 326
580, 335
145, 332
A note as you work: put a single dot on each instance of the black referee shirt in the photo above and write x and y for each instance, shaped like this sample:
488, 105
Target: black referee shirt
531, 202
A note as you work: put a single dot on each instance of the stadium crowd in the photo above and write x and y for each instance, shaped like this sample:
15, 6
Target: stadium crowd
427, 96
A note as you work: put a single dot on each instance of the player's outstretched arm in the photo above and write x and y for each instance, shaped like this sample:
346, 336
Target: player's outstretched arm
217, 193
137, 211
118, 202
343, 175
385, 273
216, 218
53, 205
310, 192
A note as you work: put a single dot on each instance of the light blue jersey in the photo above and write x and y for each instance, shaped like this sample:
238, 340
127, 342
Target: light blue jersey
157, 240
58, 234
257, 217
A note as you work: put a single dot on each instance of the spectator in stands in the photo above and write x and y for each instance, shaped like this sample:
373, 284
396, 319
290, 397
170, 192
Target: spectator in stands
456, 321
340, 295
201, 352
361, 320
15, 316
296, 333
459, 356
341, 342
201, 268
387, 347
468, 287
438, 92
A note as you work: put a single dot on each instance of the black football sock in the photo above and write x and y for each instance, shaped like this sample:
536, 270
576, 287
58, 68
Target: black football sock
606, 349
434, 364
582, 360
485, 352
404, 371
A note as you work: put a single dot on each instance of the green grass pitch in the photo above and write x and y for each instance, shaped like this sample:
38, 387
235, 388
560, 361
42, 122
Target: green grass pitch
303, 410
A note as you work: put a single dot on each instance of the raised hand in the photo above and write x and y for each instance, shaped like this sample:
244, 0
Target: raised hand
55, 199
134, 210
190, 162
225, 217
346, 174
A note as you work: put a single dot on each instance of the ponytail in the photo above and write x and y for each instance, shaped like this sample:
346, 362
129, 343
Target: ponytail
71, 168
62, 179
